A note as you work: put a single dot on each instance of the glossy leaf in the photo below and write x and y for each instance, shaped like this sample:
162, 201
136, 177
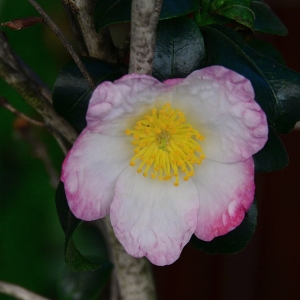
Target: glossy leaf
71, 93
273, 156
235, 240
225, 11
179, 49
277, 88
84, 285
240, 14
118, 11
223, 3
237, 10
266, 20
74, 259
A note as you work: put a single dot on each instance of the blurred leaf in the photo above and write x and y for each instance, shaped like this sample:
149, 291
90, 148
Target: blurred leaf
117, 11
224, 3
277, 88
71, 93
273, 156
179, 48
204, 5
236, 10
74, 259
235, 240
240, 14
225, 11
84, 285
266, 20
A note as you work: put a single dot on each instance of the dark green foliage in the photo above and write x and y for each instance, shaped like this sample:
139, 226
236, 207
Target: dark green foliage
266, 20
180, 49
118, 11
255, 15
74, 259
226, 12
273, 156
84, 285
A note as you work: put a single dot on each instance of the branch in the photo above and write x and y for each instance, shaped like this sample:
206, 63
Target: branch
5, 104
18, 292
98, 45
69, 10
65, 42
38, 148
144, 19
134, 275
22, 79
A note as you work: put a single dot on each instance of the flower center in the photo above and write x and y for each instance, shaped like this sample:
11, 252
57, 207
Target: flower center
166, 145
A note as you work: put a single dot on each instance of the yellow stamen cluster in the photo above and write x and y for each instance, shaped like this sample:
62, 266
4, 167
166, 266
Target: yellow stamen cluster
165, 145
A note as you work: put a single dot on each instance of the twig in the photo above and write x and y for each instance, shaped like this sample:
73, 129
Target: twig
144, 18
61, 141
18, 24
65, 42
5, 104
70, 11
19, 77
18, 292
38, 148
99, 45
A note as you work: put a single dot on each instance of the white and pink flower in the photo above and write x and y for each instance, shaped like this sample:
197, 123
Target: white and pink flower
167, 160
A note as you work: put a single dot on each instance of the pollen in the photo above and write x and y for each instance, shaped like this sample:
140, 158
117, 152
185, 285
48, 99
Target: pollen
165, 146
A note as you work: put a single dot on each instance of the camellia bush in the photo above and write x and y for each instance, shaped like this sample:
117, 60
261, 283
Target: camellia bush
164, 113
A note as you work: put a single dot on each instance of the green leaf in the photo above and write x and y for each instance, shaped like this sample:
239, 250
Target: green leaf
222, 3
71, 93
118, 11
74, 259
179, 49
273, 156
240, 14
277, 88
84, 285
266, 20
235, 240
204, 19
224, 12
204, 5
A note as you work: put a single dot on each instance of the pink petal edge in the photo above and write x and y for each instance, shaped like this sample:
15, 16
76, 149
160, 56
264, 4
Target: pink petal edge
90, 171
227, 204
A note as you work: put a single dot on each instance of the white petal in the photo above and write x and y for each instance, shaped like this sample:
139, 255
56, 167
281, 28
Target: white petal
220, 104
153, 218
226, 192
114, 107
90, 172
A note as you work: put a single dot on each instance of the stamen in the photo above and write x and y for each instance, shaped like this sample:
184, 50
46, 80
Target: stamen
165, 145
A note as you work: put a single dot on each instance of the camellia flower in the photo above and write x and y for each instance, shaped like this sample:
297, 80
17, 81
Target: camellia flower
167, 160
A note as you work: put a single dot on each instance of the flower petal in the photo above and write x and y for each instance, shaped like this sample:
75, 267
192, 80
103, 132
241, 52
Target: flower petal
90, 172
116, 106
153, 218
220, 104
226, 192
